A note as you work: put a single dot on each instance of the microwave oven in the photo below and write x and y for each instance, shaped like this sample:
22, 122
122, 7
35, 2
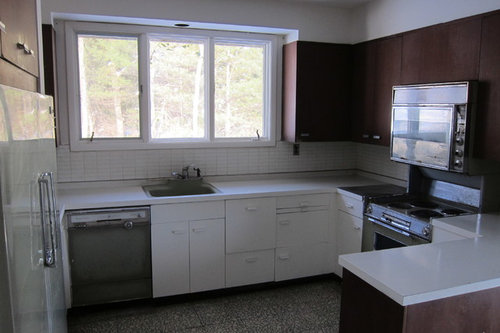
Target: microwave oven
432, 125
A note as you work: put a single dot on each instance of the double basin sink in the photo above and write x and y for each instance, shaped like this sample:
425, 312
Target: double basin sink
178, 187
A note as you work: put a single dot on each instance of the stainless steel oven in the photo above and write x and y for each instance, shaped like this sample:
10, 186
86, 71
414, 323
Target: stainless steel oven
432, 125
378, 235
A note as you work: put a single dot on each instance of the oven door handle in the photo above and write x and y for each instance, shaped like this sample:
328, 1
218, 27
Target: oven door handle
384, 225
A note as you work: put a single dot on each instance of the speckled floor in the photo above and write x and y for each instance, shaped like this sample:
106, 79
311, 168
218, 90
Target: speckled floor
302, 306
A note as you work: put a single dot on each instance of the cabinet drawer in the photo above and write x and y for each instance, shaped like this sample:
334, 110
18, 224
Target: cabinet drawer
187, 211
303, 201
302, 228
249, 268
300, 261
250, 224
350, 205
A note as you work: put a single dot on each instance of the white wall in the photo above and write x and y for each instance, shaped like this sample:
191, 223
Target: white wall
381, 18
315, 22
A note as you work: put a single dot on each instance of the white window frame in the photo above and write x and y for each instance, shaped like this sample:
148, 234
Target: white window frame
272, 44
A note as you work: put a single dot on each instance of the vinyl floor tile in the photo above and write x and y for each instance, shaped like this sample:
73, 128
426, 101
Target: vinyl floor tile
300, 306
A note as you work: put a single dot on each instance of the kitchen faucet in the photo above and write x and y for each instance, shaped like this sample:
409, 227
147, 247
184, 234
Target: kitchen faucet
185, 172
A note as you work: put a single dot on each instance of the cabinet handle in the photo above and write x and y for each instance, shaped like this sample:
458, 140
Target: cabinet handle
350, 206
284, 222
365, 136
376, 137
357, 228
198, 229
25, 48
178, 232
252, 259
2, 27
304, 204
251, 209
283, 257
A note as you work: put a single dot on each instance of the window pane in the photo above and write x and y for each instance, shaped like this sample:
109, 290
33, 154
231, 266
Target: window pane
239, 90
177, 89
109, 86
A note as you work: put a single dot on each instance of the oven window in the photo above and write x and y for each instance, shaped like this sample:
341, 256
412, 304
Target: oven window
422, 134
382, 242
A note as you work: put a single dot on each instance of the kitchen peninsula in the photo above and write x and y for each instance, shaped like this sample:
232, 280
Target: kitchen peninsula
451, 286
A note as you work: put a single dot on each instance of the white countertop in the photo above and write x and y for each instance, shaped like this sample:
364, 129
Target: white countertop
134, 195
421, 273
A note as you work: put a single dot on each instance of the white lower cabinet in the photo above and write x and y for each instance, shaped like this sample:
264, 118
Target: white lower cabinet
188, 255
206, 255
249, 268
301, 261
350, 232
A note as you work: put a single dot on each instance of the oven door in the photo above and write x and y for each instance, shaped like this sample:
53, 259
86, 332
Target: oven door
423, 135
380, 236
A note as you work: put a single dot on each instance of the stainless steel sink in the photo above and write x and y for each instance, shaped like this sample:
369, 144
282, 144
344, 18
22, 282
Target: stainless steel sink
174, 188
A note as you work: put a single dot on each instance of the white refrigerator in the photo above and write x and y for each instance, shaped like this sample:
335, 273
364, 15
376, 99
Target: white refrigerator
31, 281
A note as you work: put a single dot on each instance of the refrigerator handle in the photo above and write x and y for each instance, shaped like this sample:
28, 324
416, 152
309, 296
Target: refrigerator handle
46, 220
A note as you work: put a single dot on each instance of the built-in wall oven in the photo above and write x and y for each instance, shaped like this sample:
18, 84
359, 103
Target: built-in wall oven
432, 125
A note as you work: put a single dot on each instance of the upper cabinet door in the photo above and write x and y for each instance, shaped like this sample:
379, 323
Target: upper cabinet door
444, 52
487, 135
316, 91
19, 41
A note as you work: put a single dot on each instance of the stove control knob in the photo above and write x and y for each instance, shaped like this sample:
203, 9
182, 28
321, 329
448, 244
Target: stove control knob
459, 141
369, 209
426, 231
459, 153
458, 163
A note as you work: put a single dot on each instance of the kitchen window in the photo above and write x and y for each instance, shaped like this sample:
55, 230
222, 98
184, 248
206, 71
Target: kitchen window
132, 87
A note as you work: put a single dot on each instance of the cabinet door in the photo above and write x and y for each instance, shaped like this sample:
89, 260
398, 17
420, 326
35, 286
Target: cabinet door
349, 232
207, 257
250, 224
170, 258
444, 52
301, 228
300, 261
487, 135
19, 17
316, 93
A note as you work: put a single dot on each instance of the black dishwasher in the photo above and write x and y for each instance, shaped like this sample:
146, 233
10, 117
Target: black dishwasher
110, 255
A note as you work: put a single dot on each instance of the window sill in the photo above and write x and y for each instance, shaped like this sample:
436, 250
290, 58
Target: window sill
101, 146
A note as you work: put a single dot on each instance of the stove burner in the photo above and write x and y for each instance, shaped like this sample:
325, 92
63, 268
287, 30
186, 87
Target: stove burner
399, 205
425, 214
424, 204
452, 211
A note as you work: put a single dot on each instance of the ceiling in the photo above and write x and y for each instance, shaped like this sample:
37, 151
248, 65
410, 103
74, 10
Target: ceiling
333, 3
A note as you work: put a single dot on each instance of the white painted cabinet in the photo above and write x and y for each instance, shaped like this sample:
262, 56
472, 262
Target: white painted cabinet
250, 224
250, 241
349, 227
187, 251
302, 235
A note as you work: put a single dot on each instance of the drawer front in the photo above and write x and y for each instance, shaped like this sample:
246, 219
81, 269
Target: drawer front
350, 205
187, 211
250, 224
300, 261
303, 201
249, 268
302, 228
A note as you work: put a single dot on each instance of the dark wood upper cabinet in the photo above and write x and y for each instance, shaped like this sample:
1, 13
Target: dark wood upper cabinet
316, 91
376, 69
487, 131
20, 39
19, 44
443, 52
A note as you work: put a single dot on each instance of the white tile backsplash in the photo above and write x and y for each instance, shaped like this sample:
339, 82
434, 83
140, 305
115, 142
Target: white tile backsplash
142, 164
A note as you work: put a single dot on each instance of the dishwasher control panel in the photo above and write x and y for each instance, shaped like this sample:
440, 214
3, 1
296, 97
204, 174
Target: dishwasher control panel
101, 217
